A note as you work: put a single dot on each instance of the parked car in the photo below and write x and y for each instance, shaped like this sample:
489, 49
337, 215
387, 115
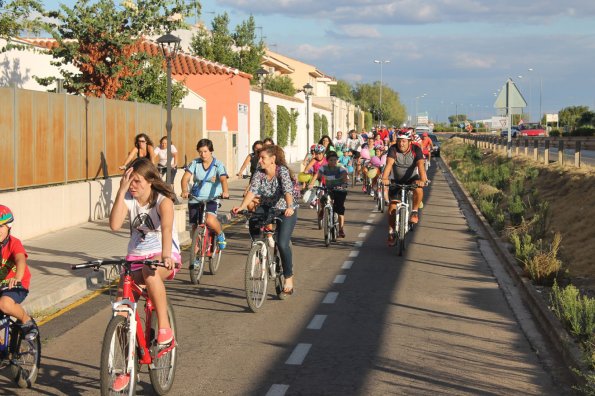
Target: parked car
532, 129
514, 131
436, 144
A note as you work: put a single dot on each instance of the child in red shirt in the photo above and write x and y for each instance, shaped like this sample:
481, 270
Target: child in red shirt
13, 269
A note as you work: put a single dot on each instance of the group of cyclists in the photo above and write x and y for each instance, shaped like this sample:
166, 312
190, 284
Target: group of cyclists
148, 202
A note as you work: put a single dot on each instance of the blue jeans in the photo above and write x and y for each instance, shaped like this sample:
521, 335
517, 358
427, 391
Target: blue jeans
284, 231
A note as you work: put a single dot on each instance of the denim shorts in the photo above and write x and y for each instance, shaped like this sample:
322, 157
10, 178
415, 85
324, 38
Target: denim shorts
17, 295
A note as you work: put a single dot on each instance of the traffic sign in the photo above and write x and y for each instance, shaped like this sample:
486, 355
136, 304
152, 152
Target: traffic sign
509, 97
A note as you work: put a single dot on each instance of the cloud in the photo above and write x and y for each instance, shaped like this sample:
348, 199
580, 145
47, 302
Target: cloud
404, 12
473, 61
310, 53
355, 31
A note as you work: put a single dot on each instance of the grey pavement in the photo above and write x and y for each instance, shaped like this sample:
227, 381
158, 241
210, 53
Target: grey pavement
50, 257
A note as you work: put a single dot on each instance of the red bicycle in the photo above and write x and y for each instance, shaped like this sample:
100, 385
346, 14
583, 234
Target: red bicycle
126, 345
204, 246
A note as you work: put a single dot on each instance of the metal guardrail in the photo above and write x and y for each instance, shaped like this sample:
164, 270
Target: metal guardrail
532, 146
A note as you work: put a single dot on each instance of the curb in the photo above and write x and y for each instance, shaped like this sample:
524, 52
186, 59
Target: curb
556, 335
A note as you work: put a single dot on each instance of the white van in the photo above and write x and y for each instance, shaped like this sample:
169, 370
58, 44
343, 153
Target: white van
422, 128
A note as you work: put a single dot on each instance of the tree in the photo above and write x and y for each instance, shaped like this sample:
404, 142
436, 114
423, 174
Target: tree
343, 90
587, 119
281, 84
570, 116
367, 96
19, 15
239, 49
100, 40
457, 118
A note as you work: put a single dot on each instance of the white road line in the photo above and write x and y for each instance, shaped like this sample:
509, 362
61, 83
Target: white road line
330, 298
347, 265
372, 214
358, 243
361, 235
370, 221
354, 253
277, 390
366, 227
340, 279
299, 354
317, 322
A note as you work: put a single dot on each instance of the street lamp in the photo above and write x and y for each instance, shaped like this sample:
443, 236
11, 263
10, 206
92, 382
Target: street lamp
333, 97
308, 91
416, 102
381, 62
540, 88
261, 73
169, 47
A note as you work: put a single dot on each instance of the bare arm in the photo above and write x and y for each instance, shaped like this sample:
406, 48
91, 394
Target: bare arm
21, 263
185, 181
309, 166
133, 153
244, 165
120, 210
166, 213
421, 168
225, 186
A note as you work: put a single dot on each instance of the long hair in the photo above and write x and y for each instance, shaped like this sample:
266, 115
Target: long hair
147, 138
145, 168
279, 156
330, 143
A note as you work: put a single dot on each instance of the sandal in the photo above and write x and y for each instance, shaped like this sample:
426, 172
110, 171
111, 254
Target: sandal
414, 217
285, 293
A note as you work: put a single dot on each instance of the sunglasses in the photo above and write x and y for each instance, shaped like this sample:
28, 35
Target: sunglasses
142, 141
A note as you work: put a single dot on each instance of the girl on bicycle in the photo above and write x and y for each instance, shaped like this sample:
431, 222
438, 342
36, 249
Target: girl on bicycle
327, 143
210, 180
149, 203
335, 179
273, 182
251, 159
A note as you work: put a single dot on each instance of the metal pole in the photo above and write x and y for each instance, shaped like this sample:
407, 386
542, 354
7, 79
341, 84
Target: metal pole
380, 101
308, 122
509, 140
168, 122
262, 110
333, 117
540, 87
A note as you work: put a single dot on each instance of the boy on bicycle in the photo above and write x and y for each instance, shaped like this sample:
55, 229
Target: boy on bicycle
335, 179
210, 180
14, 269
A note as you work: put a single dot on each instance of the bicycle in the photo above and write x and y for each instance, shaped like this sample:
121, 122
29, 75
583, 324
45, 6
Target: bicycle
126, 345
264, 260
403, 213
20, 355
330, 220
204, 246
379, 193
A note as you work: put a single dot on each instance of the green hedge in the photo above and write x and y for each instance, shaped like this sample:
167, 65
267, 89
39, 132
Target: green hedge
269, 129
283, 122
294, 125
317, 127
324, 125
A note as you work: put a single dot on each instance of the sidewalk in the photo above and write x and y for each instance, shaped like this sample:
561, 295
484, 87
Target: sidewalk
50, 256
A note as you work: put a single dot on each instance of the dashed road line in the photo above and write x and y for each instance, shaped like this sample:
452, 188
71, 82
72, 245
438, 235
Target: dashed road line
366, 227
347, 265
354, 253
277, 390
358, 244
340, 279
317, 322
330, 298
361, 235
370, 221
299, 354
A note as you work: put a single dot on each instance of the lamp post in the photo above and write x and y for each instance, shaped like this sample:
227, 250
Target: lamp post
261, 73
531, 70
333, 97
381, 61
416, 103
308, 91
169, 47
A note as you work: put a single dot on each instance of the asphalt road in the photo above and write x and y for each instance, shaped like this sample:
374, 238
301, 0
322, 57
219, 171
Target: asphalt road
361, 322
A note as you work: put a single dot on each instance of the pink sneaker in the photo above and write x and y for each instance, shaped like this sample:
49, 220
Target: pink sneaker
121, 382
165, 336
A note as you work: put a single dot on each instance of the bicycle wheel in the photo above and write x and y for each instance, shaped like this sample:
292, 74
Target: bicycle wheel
26, 356
256, 277
163, 370
215, 259
335, 227
327, 226
196, 262
381, 202
402, 230
114, 358
318, 218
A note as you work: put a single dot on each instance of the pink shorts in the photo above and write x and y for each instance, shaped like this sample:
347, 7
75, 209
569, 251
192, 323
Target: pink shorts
176, 256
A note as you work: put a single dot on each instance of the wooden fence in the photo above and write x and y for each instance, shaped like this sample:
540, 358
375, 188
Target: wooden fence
537, 148
49, 138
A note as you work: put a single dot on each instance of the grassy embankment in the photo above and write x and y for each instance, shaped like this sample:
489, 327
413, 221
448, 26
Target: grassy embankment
547, 215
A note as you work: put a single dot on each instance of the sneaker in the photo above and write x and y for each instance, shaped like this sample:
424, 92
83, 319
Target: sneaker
221, 242
121, 382
414, 217
30, 330
165, 336
341, 234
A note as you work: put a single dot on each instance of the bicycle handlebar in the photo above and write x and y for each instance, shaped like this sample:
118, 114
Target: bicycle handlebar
190, 196
99, 263
18, 286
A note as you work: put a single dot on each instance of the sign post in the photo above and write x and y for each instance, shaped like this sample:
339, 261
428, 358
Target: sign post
509, 98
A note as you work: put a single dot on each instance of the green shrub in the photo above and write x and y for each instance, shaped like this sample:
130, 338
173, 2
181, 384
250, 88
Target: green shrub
524, 247
583, 131
555, 133
324, 130
516, 208
317, 127
269, 129
294, 125
575, 311
283, 122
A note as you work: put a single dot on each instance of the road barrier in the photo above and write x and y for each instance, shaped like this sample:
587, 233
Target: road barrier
530, 146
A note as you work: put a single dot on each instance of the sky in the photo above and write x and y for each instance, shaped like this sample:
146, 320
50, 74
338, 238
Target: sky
446, 56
